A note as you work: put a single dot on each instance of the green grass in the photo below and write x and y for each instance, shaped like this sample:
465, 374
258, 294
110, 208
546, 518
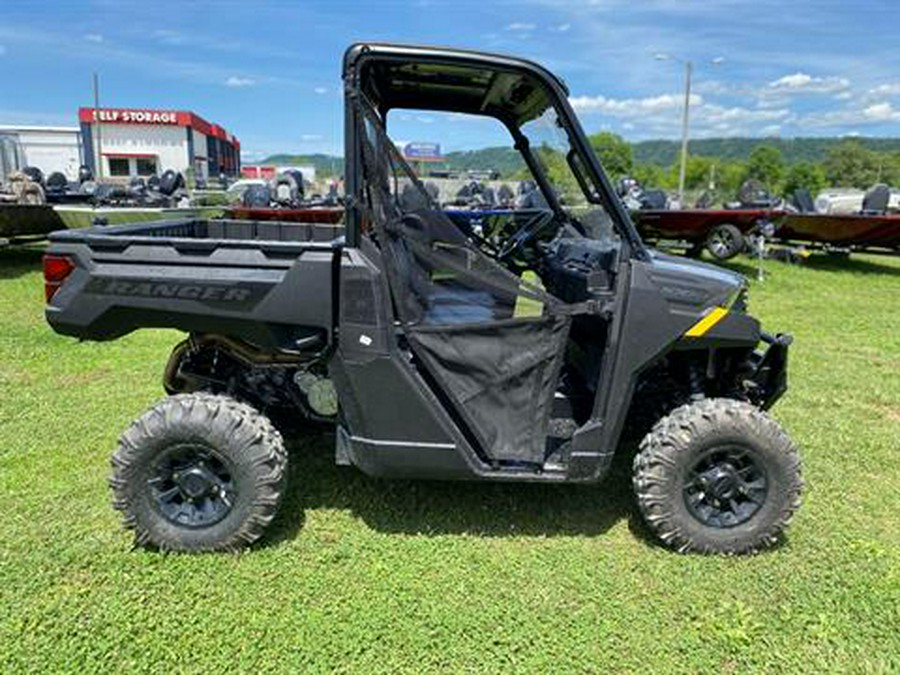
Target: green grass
359, 575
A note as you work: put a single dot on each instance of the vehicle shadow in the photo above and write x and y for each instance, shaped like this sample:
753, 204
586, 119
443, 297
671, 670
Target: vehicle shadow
851, 263
16, 261
748, 269
444, 507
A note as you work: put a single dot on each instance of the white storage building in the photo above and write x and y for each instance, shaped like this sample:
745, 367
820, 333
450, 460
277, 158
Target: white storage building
48, 148
142, 142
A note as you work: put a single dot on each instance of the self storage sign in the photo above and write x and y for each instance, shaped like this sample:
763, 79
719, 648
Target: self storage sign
130, 116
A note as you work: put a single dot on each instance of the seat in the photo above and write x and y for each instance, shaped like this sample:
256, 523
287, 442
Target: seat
876, 199
804, 201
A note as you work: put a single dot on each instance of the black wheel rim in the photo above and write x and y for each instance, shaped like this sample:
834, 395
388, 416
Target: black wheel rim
726, 487
192, 486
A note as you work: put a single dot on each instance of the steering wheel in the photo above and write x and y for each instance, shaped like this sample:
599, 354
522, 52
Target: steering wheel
524, 234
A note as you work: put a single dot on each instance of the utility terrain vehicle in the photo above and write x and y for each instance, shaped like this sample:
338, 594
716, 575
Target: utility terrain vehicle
436, 350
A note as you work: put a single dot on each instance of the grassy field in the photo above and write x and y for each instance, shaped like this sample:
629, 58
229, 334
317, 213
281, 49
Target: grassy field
359, 575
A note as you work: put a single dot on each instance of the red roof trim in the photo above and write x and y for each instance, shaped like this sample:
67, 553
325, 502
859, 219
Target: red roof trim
181, 118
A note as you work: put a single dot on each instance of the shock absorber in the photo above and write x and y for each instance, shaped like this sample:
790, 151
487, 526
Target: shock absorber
695, 378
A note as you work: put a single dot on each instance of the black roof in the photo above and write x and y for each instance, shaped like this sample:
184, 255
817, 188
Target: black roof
455, 80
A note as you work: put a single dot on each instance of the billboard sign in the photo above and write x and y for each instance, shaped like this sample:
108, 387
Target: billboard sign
423, 151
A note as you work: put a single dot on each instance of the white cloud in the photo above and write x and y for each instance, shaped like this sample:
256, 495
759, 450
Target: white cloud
311, 137
520, 26
563, 27
803, 83
96, 38
876, 113
843, 96
454, 117
881, 112
236, 82
631, 107
717, 114
321, 90
771, 130
892, 89
794, 81
661, 115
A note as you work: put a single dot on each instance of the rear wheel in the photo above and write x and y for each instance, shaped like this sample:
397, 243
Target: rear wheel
717, 476
199, 472
724, 242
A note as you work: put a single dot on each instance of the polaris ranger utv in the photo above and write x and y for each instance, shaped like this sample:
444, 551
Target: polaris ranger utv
437, 350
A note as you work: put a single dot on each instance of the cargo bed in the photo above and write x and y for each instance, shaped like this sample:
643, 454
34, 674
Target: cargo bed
269, 283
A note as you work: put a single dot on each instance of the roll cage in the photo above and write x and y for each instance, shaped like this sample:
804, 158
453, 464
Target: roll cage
513, 91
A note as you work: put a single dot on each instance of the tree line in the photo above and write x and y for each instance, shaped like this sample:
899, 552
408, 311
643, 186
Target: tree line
848, 163
794, 150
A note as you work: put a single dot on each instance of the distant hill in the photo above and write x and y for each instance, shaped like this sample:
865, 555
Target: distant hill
665, 153
505, 160
660, 152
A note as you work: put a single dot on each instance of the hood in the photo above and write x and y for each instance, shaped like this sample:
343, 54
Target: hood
684, 281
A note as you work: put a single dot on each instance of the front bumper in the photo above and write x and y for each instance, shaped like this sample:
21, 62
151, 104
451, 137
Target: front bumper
767, 380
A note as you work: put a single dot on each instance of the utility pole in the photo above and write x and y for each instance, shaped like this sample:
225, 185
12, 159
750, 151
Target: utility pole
98, 156
685, 119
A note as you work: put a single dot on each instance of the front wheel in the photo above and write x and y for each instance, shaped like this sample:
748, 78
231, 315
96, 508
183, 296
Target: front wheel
717, 476
199, 472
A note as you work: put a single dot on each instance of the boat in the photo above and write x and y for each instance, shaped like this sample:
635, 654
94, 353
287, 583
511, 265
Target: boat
855, 231
27, 222
308, 214
875, 227
75, 216
722, 231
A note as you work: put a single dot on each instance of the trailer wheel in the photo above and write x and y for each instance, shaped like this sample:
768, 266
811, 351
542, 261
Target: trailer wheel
199, 472
717, 476
725, 241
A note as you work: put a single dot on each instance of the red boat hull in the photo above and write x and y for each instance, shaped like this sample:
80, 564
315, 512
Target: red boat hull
695, 224
327, 215
864, 231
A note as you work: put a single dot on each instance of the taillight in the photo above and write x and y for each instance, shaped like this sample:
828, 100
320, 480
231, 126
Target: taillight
57, 268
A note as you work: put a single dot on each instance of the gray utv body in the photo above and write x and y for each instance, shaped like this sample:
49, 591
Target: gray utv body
437, 370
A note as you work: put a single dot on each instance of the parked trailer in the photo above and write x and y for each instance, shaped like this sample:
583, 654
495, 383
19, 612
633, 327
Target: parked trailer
721, 231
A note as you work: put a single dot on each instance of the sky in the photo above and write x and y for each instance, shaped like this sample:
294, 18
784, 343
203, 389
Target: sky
270, 72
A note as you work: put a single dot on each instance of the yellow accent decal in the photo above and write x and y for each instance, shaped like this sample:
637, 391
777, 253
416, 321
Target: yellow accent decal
700, 328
